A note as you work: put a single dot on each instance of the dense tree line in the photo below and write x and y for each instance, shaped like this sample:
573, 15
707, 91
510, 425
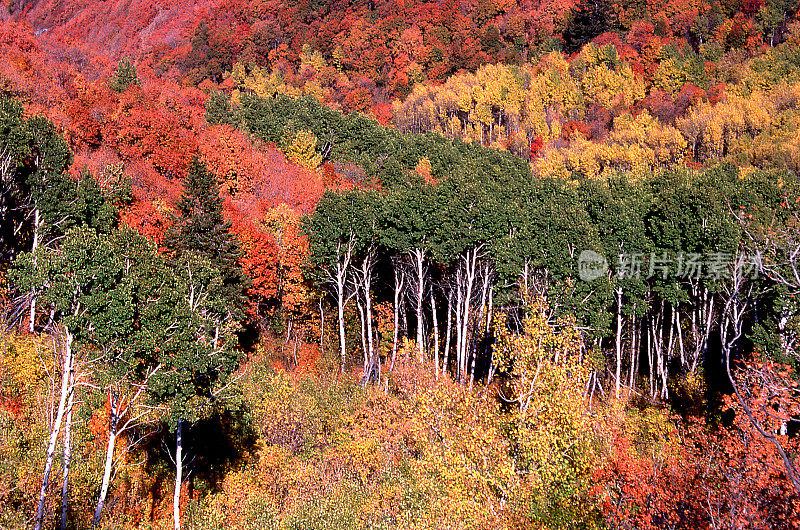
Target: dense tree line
451, 254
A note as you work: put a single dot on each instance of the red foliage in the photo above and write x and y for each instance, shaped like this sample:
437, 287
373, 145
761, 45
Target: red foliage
688, 95
660, 104
383, 113
716, 93
570, 128
536, 145
259, 259
722, 475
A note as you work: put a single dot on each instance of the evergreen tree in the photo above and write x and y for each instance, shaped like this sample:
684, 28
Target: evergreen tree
205, 256
218, 109
124, 76
204, 251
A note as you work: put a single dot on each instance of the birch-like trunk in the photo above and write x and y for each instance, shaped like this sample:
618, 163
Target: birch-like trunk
340, 310
344, 254
399, 282
446, 359
68, 361
36, 229
435, 336
619, 338
362, 325
321, 329
459, 327
418, 256
176, 498
635, 339
470, 264
367, 288
67, 452
112, 438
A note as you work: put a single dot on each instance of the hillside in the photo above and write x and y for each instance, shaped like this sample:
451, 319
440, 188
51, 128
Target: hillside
399, 264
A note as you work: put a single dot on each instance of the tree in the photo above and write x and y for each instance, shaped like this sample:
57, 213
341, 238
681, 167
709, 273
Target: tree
200, 237
205, 256
83, 282
545, 390
124, 76
342, 239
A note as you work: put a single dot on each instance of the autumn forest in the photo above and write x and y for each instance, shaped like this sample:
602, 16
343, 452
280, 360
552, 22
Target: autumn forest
456, 264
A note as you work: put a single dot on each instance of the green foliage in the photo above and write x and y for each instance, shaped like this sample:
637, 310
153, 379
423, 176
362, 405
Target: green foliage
204, 251
385, 155
341, 218
124, 76
218, 109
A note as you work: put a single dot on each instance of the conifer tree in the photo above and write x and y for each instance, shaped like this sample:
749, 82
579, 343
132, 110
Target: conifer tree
205, 256
124, 76
201, 239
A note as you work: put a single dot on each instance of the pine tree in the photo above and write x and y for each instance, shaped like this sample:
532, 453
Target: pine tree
203, 249
124, 76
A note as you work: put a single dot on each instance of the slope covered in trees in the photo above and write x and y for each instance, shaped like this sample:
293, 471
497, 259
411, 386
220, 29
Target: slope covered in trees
399, 264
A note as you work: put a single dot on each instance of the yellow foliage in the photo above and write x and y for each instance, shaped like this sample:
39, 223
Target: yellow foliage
548, 376
259, 81
301, 149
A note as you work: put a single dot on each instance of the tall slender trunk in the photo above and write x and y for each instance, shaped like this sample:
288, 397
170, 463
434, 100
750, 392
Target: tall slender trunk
361, 318
648, 327
487, 278
418, 255
399, 281
51, 445
321, 329
367, 286
491, 370
435, 335
635, 338
619, 338
112, 438
446, 359
67, 452
670, 351
344, 254
340, 308
680, 340
362, 283
176, 498
459, 328
36, 234
470, 263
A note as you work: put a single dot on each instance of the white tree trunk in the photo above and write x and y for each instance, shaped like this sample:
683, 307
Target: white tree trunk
51, 445
36, 228
340, 309
112, 438
67, 452
399, 281
321, 329
339, 277
418, 256
367, 287
446, 359
176, 499
435, 336
470, 264
459, 327
619, 338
